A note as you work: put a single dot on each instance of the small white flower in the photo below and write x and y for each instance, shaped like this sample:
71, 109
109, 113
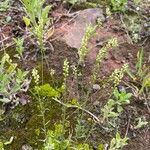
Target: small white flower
137, 8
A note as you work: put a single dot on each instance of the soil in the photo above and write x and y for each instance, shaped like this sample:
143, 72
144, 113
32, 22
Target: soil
23, 122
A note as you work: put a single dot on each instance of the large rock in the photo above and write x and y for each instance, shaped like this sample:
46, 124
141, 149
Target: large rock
84, 18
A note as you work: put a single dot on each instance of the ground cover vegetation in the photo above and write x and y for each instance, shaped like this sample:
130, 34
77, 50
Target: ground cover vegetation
54, 96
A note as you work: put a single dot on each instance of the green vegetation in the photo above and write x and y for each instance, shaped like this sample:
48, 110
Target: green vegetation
141, 74
37, 18
4, 5
56, 141
19, 47
47, 90
118, 143
112, 43
83, 51
113, 107
141, 122
84, 102
118, 5
12, 80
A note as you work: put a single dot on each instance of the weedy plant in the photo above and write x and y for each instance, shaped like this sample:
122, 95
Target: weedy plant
40, 92
102, 54
143, 72
114, 107
65, 72
141, 122
58, 137
37, 18
57, 141
81, 131
19, 47
118, 143
118, 5
141, 76
4, 5
52, 139
12, 79
118, 74
83, 51
133, 27
35, 76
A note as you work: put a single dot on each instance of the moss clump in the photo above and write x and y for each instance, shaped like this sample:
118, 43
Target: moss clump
47, 90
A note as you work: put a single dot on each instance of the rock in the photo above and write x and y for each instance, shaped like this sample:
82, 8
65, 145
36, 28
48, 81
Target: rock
121, 88
96, 103
26, 147
84, 18
96, 87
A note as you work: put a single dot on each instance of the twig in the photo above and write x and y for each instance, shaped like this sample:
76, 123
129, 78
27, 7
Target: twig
127, 130
75, 106
126, 30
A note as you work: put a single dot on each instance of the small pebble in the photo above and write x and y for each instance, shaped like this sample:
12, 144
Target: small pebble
96, 87
96, 103
121, 88
26, 147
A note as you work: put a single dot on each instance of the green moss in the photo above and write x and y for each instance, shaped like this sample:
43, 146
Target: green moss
46, 90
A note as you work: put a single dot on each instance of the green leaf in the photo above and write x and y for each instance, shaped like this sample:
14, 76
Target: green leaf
45, 14
118, 136
1, 146
146, 81
119, 109
5, 100
26, 21
100, 147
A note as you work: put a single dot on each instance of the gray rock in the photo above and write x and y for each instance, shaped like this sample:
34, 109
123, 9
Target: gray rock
96, 87
26, 147
96, 103
84, 18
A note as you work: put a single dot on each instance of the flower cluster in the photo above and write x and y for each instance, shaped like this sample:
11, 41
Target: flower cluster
35, 76
84, 49
103, 52
118, 74
65, 69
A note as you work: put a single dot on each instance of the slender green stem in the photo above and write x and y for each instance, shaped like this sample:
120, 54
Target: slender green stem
75, 106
